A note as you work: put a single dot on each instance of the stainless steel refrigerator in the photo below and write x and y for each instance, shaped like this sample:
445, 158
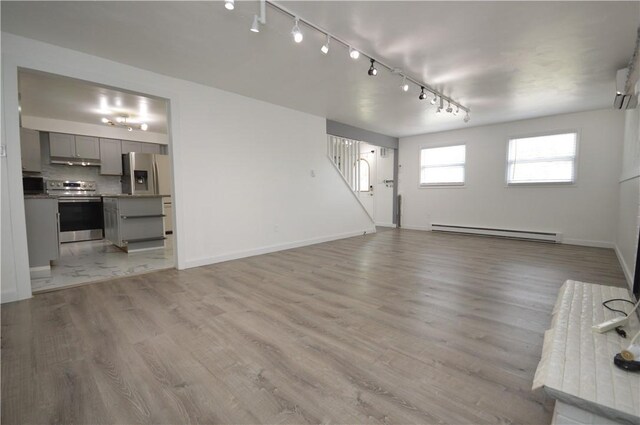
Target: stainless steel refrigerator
149, 174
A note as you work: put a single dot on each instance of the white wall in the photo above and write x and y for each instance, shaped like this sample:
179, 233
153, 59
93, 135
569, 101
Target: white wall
242, 167
585, 213
629, 193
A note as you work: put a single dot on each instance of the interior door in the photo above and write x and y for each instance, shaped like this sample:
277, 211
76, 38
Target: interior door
384, 191
367, 170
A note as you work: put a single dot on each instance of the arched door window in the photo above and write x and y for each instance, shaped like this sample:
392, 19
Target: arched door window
363, 172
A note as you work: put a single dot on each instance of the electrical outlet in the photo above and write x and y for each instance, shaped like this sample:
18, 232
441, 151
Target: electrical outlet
3, 151
610, 324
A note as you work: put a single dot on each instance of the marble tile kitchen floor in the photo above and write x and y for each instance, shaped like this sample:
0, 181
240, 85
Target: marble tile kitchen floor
94, 261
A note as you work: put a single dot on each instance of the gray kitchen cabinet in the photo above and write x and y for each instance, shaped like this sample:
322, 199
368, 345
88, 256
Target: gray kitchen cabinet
150, 148
129, 146
110, 212
87, 147
62, 145
71, 146
134, 223
43, 230
140, 147
30, 147
110, 157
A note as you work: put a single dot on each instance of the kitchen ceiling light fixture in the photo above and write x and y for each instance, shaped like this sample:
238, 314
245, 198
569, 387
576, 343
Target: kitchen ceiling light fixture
121, 121
325, 47
422, 95
372, 69
295, 31
355, 54
467, 117
439, 110
229, 4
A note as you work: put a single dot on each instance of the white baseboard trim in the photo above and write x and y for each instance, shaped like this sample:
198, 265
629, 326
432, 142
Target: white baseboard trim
625, 268
568, 241
272, 248
584, 242
385, 224
42, 271
411, 227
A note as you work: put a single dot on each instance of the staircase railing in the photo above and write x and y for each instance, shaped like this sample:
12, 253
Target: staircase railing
345, 156
345, 153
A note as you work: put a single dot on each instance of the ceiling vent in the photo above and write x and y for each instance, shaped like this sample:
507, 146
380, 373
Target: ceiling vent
623, 100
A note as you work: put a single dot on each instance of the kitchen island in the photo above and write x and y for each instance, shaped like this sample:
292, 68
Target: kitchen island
134, 222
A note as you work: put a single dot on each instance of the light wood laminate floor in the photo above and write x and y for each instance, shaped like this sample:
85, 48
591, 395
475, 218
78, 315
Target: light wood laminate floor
396, 327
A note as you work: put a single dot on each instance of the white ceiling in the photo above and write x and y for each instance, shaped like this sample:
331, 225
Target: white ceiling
51, 96
504, 60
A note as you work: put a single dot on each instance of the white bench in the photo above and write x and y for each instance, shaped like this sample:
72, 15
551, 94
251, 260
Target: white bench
576, 368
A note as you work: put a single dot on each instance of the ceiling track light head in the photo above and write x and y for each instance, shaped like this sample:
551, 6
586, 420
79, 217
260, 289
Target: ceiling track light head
422, 95
325, 48
435, 99
441, 106
372, 69
255, 27
449, 108
404, 86
467, 117
229, 4
353, 53
297, 34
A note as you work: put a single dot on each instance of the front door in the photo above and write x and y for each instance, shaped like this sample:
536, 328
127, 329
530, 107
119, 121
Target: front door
367, 172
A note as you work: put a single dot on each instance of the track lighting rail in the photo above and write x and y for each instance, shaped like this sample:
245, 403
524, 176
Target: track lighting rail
419, 84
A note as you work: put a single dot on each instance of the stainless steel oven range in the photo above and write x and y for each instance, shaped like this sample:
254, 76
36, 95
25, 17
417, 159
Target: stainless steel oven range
80, 210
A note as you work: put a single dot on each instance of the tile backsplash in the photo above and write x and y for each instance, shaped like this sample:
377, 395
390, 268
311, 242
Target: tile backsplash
106, 184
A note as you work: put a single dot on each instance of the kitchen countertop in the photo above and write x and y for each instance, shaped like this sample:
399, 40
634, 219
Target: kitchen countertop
40, 196
125, 195
104, 195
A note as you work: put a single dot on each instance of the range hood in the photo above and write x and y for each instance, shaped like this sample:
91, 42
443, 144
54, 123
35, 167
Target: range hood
76, 161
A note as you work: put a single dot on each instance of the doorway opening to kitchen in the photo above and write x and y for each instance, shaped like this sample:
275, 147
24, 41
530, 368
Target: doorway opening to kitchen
97, 181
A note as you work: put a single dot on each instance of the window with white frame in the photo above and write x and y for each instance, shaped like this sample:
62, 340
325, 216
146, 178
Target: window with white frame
442, 166
542, 159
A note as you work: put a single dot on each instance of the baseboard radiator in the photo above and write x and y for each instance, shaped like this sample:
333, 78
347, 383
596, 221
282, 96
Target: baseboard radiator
501, 233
